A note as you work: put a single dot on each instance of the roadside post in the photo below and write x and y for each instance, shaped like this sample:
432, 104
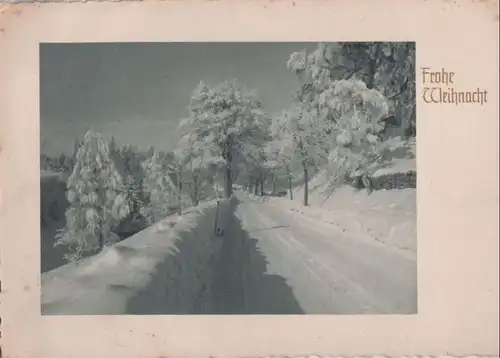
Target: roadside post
217, 231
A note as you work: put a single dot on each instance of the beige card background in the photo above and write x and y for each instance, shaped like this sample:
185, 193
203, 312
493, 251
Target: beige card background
458, 195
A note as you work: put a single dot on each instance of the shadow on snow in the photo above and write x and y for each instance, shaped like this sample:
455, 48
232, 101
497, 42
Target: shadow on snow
231, 281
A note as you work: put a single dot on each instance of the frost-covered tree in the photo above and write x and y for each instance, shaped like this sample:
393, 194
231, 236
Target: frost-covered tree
176, 166
280, 156
251, 158
252, 165
354, 140
134, 193
347, 87
131, 160
223, 117
197, 161
388, 67
97, 199
303, 133
158, 188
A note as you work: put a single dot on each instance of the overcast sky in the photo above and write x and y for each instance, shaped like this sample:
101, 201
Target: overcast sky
138, 92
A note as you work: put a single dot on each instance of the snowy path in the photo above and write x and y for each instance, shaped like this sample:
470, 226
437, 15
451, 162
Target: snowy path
277, 261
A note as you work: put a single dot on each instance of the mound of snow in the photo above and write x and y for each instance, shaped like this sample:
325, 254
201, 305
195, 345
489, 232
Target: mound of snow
400, 158
170, 258
386, 217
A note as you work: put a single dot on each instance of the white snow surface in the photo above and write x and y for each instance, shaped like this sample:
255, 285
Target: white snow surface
351, 253
384, 216
354, 254
131, 275
402, 161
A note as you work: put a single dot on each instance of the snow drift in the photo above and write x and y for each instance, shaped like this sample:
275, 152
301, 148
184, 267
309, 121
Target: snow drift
386, 217
164, 269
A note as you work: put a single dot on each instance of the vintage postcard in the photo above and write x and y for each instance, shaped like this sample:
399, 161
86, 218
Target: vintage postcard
239, 179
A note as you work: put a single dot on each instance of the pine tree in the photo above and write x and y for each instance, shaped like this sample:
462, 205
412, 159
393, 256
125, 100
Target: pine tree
97, 199
158, 188
134, 195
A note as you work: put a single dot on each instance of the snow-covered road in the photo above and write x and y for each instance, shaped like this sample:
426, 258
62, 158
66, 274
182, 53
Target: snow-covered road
276, 261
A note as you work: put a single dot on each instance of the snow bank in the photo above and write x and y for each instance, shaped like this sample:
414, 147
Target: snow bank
396, 167
385, 217
401, 158
161, 270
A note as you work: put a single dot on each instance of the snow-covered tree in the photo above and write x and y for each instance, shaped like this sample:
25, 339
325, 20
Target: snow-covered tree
251, 157
134, 193
304, 134
388, 67
345, 88
223, 117
131, 160
176, 167
158, 188
97, 199
197, 160
280, 156
355, 143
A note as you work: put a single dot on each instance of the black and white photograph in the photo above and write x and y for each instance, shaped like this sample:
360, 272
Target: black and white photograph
228, 178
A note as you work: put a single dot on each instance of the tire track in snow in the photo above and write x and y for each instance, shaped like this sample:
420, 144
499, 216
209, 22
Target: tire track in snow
335, 283
395, 288
313, 257
373, 277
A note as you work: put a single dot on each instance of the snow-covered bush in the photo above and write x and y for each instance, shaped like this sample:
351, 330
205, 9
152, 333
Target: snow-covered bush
97, 199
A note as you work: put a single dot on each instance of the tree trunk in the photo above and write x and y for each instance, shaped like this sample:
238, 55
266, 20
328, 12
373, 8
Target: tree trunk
256, 187
372, 67
228, 182
101, 241
179, 192
306, 184
274, 184
261, 184
194, 197
290, 186
100, 210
